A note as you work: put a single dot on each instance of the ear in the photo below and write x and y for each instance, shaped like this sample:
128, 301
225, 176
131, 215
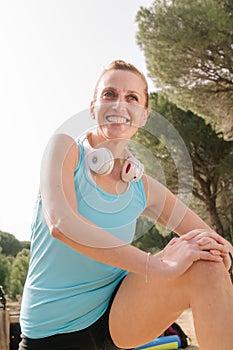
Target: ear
145, 117
92, 109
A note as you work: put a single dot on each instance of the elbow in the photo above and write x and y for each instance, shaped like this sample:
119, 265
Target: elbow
54, 224
55, 232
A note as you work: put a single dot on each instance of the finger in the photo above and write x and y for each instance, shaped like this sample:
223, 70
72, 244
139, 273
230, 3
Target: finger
194, 233
205, 255
205, 240
201, 233
214, 246
227, 263
215, 252
213, 235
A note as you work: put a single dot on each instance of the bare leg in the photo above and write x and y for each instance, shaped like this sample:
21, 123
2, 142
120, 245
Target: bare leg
142, 311
212, 307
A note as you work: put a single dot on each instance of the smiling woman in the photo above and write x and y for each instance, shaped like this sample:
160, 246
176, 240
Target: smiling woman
120, 101
86, 283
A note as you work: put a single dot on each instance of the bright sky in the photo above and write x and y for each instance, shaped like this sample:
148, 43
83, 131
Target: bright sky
52, 52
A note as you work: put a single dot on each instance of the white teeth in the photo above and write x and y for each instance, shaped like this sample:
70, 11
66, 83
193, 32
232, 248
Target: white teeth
117, 119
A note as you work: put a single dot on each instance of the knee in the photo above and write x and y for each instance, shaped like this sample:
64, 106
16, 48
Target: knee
203, 273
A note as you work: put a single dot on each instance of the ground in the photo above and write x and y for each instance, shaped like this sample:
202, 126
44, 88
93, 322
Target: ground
186, 323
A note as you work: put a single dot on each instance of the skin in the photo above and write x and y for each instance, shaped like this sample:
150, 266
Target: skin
190, 272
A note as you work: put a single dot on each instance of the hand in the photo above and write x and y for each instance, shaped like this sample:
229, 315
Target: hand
212, 242
182, 252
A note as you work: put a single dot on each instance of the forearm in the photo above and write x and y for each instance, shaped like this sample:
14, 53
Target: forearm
125, 256
182, 220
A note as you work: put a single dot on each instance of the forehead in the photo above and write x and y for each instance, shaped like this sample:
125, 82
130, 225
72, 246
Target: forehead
122, 80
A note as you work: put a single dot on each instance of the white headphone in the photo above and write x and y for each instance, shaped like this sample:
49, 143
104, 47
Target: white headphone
101, 161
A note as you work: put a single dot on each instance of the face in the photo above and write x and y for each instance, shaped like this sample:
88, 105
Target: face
120, 104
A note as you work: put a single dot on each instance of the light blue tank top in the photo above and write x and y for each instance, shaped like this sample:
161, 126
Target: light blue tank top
66, 291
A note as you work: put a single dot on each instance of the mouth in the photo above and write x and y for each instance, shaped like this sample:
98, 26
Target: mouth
116, 119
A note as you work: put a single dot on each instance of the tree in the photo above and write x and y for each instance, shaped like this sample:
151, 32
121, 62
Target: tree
5, 269
189, 55
14, 260
154, 240
10, 245
19, 273
212, 159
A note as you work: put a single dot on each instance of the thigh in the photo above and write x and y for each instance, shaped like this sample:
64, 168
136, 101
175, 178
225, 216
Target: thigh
142, 311
58, 342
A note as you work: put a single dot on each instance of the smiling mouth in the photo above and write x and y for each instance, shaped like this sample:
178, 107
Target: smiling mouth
115, 119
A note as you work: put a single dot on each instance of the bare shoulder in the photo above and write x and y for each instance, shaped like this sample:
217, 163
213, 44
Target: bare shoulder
153, 188
62, 147
156, 195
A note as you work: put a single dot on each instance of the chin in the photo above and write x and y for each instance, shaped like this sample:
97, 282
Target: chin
119, 131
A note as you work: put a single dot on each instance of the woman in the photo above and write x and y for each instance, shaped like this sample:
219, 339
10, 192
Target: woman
87, 287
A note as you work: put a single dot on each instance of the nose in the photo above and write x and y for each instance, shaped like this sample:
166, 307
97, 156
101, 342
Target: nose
119, 104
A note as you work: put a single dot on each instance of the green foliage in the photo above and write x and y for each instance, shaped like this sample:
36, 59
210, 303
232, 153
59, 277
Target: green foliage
150, 150
10, 245
189, 55
14, 258
5, 270
212, 159
154, 240
25, 244
19, 273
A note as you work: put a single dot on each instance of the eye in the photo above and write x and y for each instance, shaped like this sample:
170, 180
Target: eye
109, 94
132, 98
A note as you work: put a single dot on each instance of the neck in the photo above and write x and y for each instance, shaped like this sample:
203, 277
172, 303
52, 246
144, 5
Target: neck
116, 146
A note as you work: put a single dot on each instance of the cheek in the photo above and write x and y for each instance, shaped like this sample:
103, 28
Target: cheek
138, 115
99, 111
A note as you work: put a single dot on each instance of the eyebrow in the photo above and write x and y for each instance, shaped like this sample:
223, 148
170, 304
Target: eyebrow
133, 92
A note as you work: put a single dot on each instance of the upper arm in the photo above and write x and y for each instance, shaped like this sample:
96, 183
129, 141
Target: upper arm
168, 210
68, 167
57, 177
59, 197
157, 196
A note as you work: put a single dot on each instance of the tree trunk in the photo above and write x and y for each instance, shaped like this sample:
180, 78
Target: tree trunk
214, 217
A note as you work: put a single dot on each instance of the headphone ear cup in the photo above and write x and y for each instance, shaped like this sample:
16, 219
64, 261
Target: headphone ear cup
100, 161
132, 170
